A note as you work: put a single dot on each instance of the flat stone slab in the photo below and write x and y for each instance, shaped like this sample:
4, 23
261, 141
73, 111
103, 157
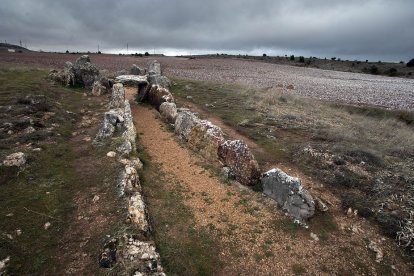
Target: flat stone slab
132, 79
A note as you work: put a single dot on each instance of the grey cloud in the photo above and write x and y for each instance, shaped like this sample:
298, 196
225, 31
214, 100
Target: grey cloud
367, 28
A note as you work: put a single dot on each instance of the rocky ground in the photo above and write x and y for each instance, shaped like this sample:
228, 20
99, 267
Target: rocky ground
345, 87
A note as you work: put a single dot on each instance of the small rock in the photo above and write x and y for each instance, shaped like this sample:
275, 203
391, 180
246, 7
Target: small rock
10, 132
320, 205
87, 139
189, 97
37, 149
3, 265
47, 225
16, 159
111, 154
9, 215
18, 232
29, 130
379, 254
349, 212
95, 199
10, 237
314, 236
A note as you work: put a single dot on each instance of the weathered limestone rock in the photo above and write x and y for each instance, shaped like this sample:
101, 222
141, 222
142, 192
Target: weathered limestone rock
158, 95
137, 213
112, 119
237, 156
154, 68
168, 112
289, 194
85, 72
183, 124
16, 159
129, 133
135, 70
205, 138
98, 89
129, 181
132, 80
3, 265
82, 73
139, 257
133, 162
118, 96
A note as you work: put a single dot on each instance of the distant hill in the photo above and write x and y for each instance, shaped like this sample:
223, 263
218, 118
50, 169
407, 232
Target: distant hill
6, 46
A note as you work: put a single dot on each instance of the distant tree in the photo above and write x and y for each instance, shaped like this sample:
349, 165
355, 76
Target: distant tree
392, 72
301, 59
292, 57
366, 61
333, 58
410, 63
140, 55
67, 51
401, 62
339, 59
99, 52
379, 61
146, 54
374, 70
264, 55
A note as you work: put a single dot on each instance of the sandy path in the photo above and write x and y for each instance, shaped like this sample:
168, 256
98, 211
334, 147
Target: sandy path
253, 236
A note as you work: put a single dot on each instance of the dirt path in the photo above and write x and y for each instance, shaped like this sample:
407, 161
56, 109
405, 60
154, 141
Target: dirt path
253, 236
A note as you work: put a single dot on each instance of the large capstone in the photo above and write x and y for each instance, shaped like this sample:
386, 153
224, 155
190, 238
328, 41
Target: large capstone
288, 192
237, 156
132, 80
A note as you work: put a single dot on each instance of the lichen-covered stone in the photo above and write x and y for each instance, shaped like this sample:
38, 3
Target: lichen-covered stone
168, 112
158, 95
288, 192
139, 257
118, 96
237, 156
205, 138
183, 124
98, 89
112, 119
132, 80
137, 213
135, 70
16, 159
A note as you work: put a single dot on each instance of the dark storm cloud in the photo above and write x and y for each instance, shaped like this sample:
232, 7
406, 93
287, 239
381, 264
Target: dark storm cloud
370, 28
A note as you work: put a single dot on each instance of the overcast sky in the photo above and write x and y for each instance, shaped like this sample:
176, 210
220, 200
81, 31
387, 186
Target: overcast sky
363, 29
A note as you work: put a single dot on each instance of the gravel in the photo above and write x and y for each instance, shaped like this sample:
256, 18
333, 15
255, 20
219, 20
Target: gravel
344, 87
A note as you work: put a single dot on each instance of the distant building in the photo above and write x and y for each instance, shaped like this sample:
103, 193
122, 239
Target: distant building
11, 50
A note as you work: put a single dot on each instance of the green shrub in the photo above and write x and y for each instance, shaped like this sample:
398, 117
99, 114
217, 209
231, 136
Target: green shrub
292, 57
301, 59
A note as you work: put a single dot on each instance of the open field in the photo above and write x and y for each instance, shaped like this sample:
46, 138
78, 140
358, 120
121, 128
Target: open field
358, 157
344, 87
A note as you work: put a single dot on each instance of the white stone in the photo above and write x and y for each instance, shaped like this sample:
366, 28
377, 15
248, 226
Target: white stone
15, 159
111, 154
